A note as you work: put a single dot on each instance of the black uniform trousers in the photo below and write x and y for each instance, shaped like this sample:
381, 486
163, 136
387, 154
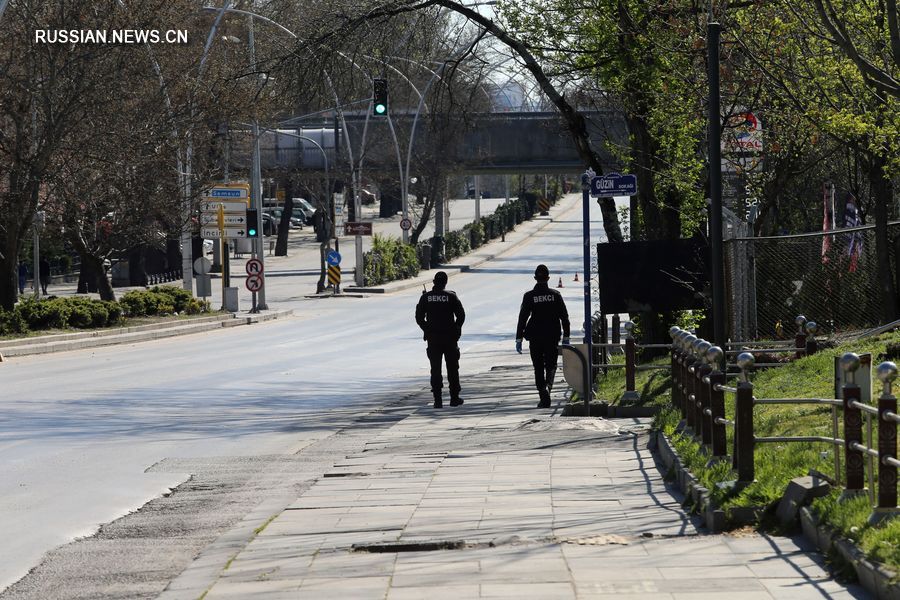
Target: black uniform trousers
544, 357
447, 350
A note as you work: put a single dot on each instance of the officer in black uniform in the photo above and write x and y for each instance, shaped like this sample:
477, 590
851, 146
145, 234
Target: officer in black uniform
441, 316
543, 310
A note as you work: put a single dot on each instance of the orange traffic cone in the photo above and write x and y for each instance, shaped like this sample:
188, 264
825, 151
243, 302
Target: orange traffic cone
559, 285
576, 276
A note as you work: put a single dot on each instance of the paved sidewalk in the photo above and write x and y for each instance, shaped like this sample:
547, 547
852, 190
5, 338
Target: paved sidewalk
497, 500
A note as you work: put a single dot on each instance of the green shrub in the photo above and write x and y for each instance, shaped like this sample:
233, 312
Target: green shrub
456, 243
11, 322
80, 315
476, 232
179, 298
113, 312
44, 314
388, 260
133, 303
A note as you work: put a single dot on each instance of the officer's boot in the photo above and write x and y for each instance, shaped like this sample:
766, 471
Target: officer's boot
455, 400
438, 402
545, 398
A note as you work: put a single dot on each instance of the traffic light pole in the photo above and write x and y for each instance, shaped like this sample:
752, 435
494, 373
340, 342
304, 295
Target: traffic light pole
256, 189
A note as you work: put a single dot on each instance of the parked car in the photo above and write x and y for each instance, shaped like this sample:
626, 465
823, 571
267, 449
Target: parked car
304, 208
269, 227
276, 213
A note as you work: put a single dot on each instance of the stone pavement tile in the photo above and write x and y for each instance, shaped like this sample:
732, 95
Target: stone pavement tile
447, 503
541, 591
603, 552
357, 564
794, 565
263, 567
766, 544
269, 590
791, 589
464, 566
722, 587
706, 572
591, 569
759, 595
362, 588
584, 595
445, 592
283, 545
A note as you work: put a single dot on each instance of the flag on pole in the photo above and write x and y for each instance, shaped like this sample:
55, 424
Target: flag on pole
852, 219
827, 220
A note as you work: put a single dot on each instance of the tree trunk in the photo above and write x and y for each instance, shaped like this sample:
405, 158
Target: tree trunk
285, 223
104, 285
9, 275
882, 193
320, 284
427, 207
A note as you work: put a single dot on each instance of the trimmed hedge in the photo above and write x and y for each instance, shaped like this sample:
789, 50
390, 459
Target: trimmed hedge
388, 260
79, 312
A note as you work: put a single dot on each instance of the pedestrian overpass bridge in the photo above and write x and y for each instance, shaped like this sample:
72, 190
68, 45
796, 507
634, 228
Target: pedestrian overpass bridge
489, 143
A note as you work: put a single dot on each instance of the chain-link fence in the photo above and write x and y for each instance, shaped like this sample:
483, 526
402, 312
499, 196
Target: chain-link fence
832, 278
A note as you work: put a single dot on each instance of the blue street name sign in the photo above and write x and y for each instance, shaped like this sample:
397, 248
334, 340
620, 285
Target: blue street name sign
613, 184
333, 258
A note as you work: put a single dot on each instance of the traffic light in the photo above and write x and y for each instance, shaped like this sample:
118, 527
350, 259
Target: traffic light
252, 223
379, 97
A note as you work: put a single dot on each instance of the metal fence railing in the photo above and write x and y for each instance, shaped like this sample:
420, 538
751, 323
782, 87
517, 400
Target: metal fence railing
769, 277
698, 392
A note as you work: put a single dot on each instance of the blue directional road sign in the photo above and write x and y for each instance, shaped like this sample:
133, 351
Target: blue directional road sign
613, 184
333, 258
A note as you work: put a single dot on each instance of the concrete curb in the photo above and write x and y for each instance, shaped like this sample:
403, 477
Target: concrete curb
878, 580
128, 335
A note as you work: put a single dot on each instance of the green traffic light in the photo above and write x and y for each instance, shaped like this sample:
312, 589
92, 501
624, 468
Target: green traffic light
252, 232
380, 109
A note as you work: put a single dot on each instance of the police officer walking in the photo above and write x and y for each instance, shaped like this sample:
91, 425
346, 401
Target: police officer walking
543, 311
441, 316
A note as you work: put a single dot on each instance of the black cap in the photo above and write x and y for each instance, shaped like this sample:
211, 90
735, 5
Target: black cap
440, 279
542, 273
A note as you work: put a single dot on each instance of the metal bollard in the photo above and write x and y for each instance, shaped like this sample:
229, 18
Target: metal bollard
673, 366
703, 396
800, 338
887, 446
812, 346
743, 422
689, 379
853, 459
717, 402
685, 385
699, 362
630, 394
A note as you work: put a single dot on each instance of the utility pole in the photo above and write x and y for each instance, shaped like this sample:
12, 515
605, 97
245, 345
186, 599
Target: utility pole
714, 31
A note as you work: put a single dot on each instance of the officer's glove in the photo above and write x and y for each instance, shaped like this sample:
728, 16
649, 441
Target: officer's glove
565, 341
519, 346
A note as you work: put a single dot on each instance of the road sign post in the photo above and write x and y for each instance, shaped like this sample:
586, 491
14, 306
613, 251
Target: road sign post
255, 280
613, 184
586, 184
